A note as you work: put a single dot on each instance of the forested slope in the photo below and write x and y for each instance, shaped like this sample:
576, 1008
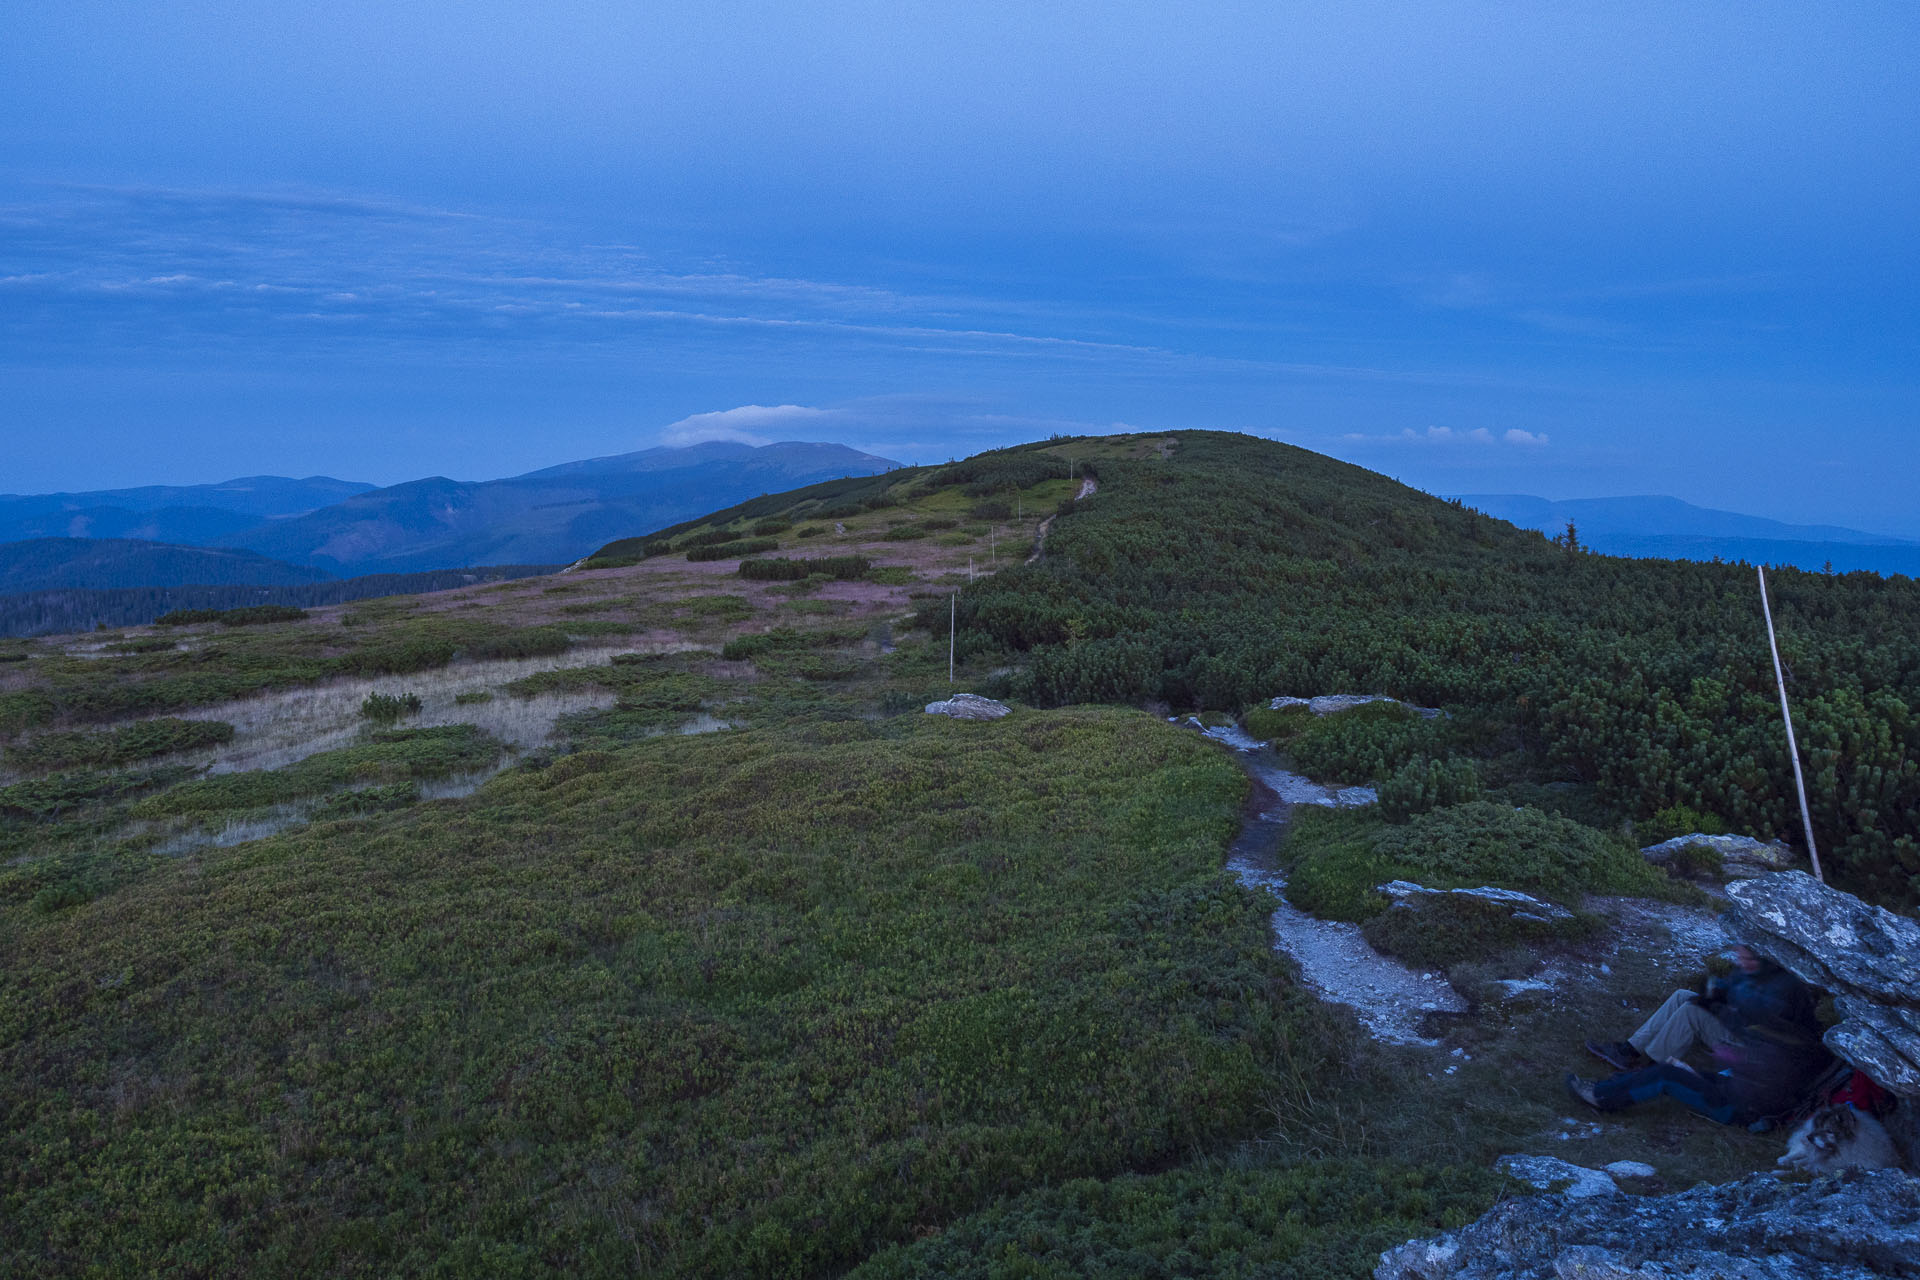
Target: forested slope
1235, 569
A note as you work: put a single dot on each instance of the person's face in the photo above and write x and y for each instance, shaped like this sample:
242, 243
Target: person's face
1747, 958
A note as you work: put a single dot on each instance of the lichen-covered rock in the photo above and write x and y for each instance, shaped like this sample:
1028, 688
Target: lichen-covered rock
1549, 1173
1523, 906
1852, 1225
968, 706
1738, 852
1329, 703
1867, 956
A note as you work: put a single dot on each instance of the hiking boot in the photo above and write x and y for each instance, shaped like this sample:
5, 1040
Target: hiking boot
1583, 1090
1618, 1054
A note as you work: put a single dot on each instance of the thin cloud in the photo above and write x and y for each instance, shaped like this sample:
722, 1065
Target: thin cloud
746, 424
1443, 436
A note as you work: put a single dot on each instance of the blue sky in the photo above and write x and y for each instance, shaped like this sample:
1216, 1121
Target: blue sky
1553, 249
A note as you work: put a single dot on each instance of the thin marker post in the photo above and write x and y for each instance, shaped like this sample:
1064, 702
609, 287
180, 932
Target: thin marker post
1793, 748
953, 615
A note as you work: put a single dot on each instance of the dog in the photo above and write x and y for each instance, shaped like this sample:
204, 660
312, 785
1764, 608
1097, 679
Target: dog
1839, 1138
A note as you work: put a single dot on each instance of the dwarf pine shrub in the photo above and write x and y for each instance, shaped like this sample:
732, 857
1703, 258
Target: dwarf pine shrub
385, 708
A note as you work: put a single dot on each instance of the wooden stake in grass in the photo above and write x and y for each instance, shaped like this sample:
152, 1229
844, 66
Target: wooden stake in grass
953, 615
1793, 749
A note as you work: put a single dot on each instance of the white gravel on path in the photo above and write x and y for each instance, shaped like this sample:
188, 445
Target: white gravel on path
1335, 960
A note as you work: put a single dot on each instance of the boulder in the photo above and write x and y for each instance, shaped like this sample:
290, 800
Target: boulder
1852, 1225
1867, 956
1329, 703
968, 706
1523, 906
1741, 855
1630, 1169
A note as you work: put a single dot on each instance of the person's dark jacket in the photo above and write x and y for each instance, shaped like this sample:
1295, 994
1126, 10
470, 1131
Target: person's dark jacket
1769, 996
1776, 1052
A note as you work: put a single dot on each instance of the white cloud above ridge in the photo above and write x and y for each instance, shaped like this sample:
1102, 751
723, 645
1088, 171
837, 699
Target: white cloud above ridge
1513, 437
745, 424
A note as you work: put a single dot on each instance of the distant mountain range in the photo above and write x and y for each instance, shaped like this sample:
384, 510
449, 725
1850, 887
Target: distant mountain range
52, 564
555, 515
270, 530
1658, 527
191, 514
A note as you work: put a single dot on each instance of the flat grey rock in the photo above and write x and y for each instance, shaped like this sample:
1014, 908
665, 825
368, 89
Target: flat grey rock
1769, 854
1523, 906
968, 706
1546, 1173
1328, 704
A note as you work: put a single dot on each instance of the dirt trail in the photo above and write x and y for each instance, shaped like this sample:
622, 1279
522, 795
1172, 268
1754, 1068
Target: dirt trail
1088, 487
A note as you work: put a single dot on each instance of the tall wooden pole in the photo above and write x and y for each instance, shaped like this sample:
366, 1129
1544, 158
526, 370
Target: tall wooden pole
953, 615
1793, 749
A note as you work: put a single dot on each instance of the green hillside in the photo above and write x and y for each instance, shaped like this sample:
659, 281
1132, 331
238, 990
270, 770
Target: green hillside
635, 920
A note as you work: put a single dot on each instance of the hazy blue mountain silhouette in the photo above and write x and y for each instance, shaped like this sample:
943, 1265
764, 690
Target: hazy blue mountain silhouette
46, 564
1661, 527
193, 514
554, 515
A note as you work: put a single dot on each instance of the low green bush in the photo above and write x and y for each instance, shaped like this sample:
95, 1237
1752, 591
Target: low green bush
1268, 725
1366, 742
365, 800
384, 758
1336, 858
811, 531
141, 740
1678, 820
1422, 785
258, 614
472, 697
1488, 843
1440, 932
252, 615
385, 708
56, 794
787, 639
904, 533
711, 538
767, 528
1695, 862
729, 550
792, 570
524, 642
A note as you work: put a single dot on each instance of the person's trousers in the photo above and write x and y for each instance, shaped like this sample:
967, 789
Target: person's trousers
1677, 1026
1704, 1094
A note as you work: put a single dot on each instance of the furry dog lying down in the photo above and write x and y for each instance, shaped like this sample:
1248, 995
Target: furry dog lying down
1839, 1137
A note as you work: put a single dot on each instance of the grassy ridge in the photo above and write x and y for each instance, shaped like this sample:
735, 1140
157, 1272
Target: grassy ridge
1236, 569
740, 1005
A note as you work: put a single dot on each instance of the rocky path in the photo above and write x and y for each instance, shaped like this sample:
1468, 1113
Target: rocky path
1390, 998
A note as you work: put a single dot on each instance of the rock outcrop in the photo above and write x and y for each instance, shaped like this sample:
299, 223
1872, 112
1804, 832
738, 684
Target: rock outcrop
968, 706
1522, 906
1329, 703
1853, 1225
1742, 856
1867, 956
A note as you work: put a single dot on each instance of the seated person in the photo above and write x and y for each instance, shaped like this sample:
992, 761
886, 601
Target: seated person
1759, 991
1759, 1025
